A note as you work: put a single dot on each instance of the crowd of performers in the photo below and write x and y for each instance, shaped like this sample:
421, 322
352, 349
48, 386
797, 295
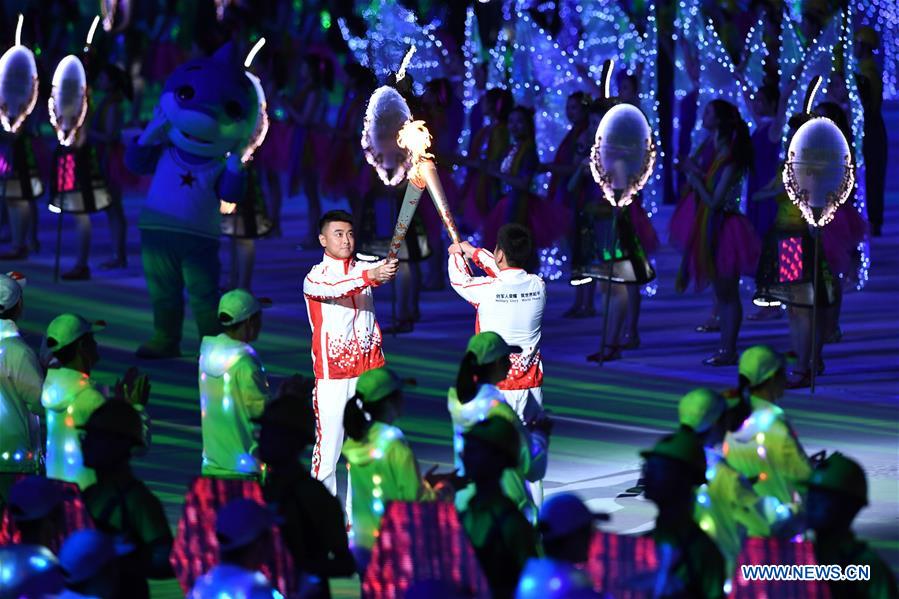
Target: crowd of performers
78, 517
733, 469
311, 148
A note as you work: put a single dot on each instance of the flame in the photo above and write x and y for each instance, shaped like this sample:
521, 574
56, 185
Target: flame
226, 207
415, 137
19, 29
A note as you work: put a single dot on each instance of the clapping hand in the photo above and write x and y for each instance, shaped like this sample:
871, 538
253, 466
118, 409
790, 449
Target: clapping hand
134, 388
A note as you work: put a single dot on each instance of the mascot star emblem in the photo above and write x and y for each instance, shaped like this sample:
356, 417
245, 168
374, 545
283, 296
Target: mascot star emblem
187, 179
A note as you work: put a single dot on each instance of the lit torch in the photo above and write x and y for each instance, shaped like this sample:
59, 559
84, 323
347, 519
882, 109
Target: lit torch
397, 147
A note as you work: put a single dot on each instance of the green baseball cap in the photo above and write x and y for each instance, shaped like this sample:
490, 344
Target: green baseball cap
65, 329
682, 446
489, 347
238, 305
839, 473
376, 384
700, 409
760, 362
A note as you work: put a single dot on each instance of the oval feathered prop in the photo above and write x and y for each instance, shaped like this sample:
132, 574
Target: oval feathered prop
387, 113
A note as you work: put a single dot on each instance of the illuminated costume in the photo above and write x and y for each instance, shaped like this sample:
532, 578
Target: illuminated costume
727, 508
19, 176
208, 109
70, 397
765, 450
636, 240
21, 183
233, 391
346, 341
382, 469
21, 379
231, 580
250, 218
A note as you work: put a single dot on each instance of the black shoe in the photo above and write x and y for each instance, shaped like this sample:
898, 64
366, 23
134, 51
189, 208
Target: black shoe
721, 359
149, 351
79, 273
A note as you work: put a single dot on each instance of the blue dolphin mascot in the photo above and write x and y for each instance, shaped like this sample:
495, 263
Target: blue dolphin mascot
206, 114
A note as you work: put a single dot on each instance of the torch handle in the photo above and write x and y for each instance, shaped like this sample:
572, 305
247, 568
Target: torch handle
407, 211
428, 171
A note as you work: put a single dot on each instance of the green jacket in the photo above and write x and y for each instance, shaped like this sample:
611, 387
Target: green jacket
233, 391
69, 397
382, 469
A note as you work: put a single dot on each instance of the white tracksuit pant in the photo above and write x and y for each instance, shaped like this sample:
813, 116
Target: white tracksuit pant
329, 401
527, 403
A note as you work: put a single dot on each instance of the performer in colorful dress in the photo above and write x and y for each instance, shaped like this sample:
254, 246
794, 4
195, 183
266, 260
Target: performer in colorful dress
22, 186
718, 243
637, 239
515, 174
870, 88
480, 192
568, 157
786, 269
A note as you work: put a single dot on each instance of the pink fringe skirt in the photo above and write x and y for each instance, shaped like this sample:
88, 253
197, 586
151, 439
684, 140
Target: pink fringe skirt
841, 237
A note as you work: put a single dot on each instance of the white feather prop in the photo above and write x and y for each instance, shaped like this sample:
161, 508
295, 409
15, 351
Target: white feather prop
387, 113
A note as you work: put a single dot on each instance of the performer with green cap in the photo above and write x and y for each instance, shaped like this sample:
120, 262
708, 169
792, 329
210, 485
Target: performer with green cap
727, 508
764, 447
476, 397
382, 466
837, 491
501, 536
690, 564
233, 388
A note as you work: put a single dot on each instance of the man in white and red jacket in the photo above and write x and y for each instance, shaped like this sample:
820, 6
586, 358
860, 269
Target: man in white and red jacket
346, 339
509, 302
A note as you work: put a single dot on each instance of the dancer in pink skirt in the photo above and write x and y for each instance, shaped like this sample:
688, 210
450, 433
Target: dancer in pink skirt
717, 241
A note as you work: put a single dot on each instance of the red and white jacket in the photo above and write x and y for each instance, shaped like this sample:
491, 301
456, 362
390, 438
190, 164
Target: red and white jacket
346, 339
510, 303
